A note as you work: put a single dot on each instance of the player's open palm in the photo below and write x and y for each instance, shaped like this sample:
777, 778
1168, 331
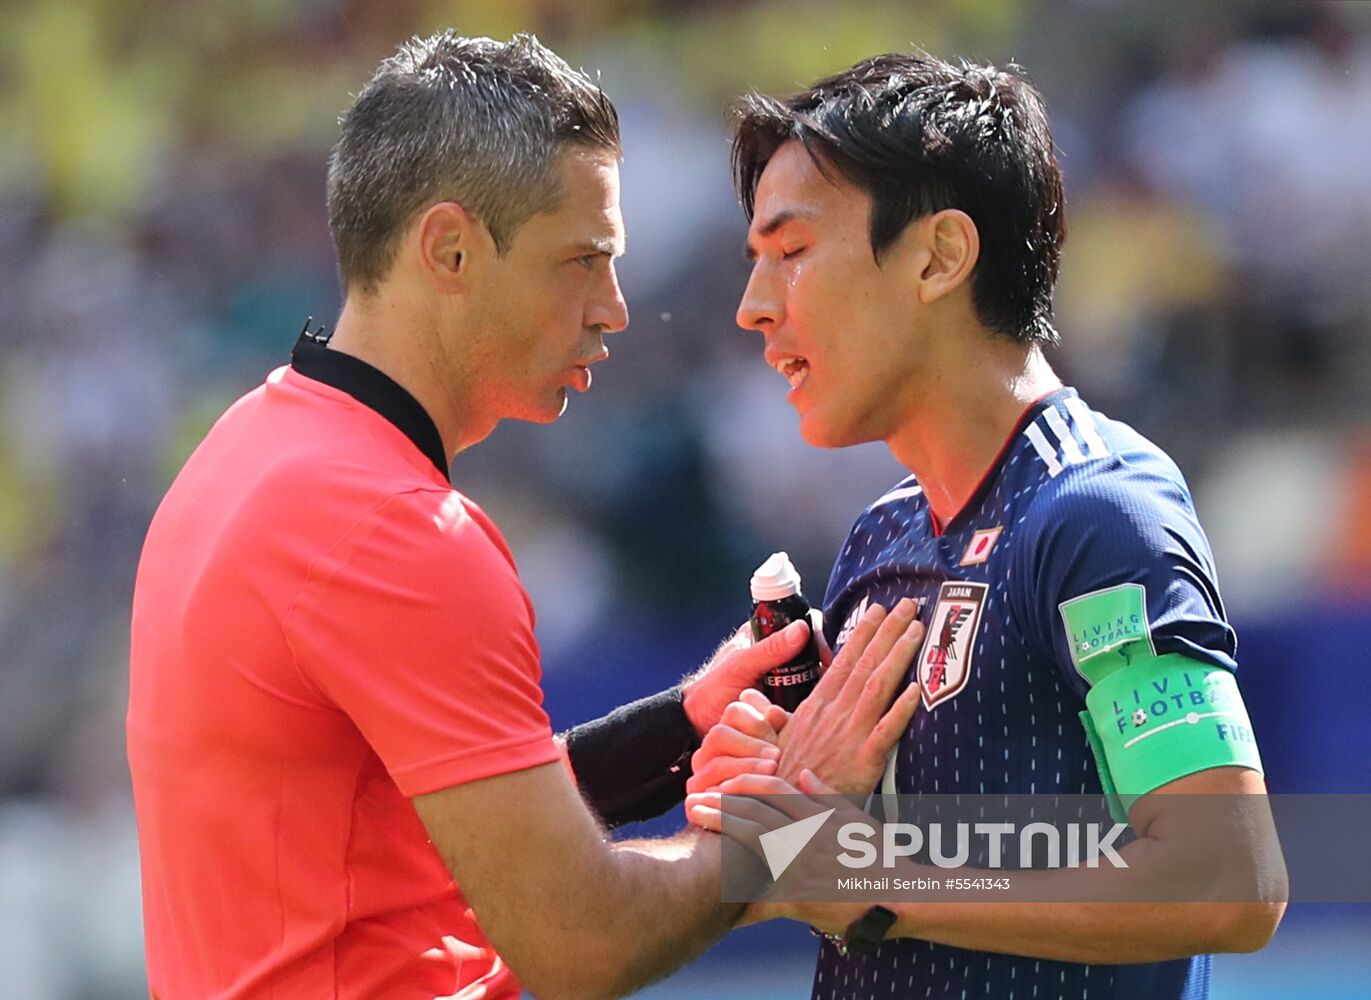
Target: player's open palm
844, 731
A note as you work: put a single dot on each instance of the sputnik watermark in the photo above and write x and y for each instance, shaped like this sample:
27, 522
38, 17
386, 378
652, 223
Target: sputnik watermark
866, 844
996, 848
1039, 844
912, 843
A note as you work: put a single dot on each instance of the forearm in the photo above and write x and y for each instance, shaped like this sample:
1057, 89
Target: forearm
685, 870
1086, 922
652, 906
1094, 933
634, 763
572, 913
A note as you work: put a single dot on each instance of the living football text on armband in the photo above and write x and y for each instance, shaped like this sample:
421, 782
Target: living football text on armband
1160, 718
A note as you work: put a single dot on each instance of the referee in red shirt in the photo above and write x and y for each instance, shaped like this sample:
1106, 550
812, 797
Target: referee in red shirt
335, 705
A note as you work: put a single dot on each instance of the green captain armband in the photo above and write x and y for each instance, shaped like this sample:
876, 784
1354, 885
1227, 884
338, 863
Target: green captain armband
1161, 718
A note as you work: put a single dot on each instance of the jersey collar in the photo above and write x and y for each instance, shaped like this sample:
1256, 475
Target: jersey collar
1030, 413
372, 388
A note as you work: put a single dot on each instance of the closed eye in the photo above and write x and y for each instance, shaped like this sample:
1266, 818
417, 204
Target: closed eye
792, 254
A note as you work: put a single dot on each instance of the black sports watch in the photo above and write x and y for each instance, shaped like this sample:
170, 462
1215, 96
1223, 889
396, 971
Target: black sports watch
865, 933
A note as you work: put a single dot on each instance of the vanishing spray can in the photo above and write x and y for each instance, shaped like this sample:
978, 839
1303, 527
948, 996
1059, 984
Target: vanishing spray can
776, 602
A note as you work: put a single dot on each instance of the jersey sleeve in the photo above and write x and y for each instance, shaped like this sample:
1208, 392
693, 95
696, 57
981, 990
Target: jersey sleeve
415, 625
1117, 567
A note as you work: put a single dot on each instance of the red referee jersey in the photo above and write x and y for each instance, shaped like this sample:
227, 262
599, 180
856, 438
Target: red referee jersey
322, 627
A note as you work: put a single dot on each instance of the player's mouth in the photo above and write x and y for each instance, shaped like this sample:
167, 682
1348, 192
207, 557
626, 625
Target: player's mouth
793, 367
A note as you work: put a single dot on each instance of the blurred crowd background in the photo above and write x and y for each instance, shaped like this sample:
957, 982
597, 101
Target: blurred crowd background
163, 237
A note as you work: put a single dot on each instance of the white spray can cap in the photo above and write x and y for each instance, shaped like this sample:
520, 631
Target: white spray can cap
776, 578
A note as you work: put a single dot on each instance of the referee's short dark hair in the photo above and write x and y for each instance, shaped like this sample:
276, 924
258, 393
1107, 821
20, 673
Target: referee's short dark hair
920, 135
448, 118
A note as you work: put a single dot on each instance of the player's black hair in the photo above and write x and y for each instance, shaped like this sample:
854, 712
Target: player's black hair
920, 135
449, 118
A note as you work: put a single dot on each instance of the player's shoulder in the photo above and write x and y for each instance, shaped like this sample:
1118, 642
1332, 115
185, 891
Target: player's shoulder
892, 511
894, 498
889, 514
1073, 442
1099, 472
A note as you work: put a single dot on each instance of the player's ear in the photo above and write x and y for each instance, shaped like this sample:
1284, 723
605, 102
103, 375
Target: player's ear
952, 245
446, 234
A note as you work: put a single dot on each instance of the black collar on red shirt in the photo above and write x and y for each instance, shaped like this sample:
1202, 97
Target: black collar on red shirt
371, 387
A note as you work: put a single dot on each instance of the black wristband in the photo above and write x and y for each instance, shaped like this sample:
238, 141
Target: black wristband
633, 763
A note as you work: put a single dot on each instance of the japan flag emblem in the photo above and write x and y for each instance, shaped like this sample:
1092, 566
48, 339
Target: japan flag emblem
945, 660
978, 549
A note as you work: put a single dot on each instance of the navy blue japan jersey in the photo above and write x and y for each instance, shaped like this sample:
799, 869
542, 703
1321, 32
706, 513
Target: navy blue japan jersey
1074, 504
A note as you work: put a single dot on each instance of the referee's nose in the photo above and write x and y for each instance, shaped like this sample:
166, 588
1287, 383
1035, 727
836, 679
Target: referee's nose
606, 309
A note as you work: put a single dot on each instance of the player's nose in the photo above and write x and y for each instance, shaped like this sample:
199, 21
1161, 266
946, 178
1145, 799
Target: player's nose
762, 306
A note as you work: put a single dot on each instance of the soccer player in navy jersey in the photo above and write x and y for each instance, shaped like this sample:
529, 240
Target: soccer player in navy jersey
906, 229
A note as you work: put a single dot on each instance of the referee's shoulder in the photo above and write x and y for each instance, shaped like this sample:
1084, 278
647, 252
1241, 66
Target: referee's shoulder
434, 516
329, 494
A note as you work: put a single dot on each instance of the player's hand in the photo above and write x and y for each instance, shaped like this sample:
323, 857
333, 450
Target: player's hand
757, 805
816, 622
743, 742
844, 731
734, 668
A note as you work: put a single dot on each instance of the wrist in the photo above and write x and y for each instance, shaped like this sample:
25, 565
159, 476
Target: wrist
691, 704
634, 763
864, 933
759, 912
830, 920
852, 928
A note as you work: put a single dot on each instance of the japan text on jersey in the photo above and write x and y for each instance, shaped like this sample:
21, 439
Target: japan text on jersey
1075, 505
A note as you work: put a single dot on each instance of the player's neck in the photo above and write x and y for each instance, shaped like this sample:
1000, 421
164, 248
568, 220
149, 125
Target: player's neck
379, 330
965, 414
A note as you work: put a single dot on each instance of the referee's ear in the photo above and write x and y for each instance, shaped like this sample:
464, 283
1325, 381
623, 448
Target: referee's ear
445, 237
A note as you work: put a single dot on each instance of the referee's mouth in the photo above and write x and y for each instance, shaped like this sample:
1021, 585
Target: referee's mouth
581, 376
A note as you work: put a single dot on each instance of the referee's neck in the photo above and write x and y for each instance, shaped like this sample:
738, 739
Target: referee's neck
404, 344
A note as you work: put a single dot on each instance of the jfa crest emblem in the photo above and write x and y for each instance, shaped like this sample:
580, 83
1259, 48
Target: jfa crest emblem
945, 660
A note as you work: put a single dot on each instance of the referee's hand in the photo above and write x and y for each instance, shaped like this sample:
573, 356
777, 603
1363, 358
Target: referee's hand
737, 666
843, 732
